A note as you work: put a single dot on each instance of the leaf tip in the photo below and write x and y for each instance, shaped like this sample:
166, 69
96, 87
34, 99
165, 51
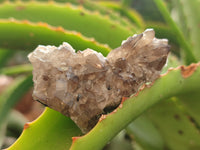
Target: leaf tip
75, 138
26, 126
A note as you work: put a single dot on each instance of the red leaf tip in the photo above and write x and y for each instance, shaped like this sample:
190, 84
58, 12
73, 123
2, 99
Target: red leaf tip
27, 125
75, 138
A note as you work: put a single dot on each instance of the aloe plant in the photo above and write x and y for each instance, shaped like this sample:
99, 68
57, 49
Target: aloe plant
164, 115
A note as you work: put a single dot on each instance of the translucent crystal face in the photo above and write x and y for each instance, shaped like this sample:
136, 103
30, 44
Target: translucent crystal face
86, 84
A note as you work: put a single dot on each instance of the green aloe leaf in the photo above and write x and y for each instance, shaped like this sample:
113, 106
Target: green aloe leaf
110, 124
172, 124
145, 133
94, 6
107, 128
51, 131
18, 35
120, 142
18, 69
191, 104
4, 56
91, 6
176, 128
178, 16
12, 95
128, 13
69, 17
187, 47
177, 79
148, 10
191, 12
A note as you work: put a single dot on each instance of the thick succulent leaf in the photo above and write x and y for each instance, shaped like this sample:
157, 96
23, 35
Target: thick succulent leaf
145, 133
191, 12
148, 10
187, 47
120, 142
91, 6
94, 6
12, 95
69, 17
18, 35
18, 69
51, 131
175, 126
128, 13
175, 120
181, 80
191, 103
178, 16
4, 56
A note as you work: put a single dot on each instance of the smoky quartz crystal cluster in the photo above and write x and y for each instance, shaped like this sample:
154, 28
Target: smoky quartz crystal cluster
86, 84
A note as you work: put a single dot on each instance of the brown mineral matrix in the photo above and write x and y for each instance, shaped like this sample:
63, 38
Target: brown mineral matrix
86, 84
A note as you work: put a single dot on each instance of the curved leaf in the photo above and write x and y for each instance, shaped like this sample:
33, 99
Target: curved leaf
176, 128
187, 48
4, 56
26, 36
146, 134
192, 15
191, 103
128, 13
69, 17
91, 6
18, 69
181, 80
9, 98
51, 131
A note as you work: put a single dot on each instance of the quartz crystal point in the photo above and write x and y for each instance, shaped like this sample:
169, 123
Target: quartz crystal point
86, 84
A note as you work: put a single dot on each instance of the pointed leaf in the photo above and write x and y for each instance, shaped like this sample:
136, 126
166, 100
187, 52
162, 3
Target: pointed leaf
69, 17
